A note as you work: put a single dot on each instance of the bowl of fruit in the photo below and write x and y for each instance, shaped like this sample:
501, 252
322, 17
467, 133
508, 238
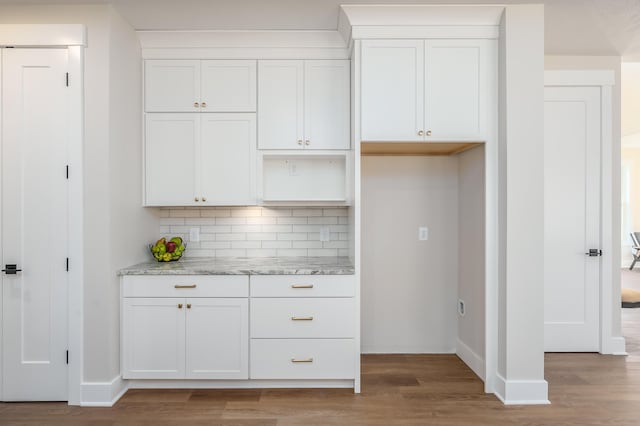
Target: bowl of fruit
167, 251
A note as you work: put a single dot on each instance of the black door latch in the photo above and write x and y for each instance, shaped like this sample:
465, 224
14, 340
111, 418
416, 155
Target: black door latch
11, 269
594, 253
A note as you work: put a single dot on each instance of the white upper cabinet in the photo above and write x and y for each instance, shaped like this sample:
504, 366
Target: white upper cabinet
200, 86
433, 90
304, 104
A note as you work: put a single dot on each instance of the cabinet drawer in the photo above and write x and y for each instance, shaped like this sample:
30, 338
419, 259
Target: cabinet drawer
185, 286
302, 286
302, 359
302, 318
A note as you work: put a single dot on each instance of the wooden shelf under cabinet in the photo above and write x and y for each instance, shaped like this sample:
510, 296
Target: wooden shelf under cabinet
415, 148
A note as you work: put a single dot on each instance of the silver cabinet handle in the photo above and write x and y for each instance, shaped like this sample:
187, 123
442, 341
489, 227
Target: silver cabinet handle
301, 318
307, 142
301, 285
184, 286
302, 360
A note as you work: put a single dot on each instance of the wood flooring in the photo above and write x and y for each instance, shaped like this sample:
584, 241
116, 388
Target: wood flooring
585, 389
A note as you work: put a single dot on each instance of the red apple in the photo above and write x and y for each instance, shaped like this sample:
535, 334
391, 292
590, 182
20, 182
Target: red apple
171, 246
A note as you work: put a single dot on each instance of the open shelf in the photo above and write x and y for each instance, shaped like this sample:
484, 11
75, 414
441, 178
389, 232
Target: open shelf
416, 148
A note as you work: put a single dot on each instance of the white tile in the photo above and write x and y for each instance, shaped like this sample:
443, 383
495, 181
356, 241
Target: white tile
207, 237
261, 236
164, 229
323, 252
200, 221
343, 236
261, 220
343, 252
338, 228
199, 253
215, 245
307, 244
313, 236
233, 236
246, 244
307, 228
272, 211
171, 221
276, 244
333, 236
288, 236
323, 220
292, 220
292, 252
215, 212
163, 213
215, 229
246, 212
343, 220
276, 228
231, 253
184, 213
192, 246
261, 252
335, 212
180, 229
231, 221
307, 212
248, 228
335, 244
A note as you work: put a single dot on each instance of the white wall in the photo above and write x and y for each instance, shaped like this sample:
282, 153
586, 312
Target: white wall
471, 256
409, 286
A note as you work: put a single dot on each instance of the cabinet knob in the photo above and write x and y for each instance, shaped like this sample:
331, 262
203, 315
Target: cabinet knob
420, 133
204, 105
307, 142
428, 132
179, 305
188, 305
196, 199
204, 199
195, 104
300, 142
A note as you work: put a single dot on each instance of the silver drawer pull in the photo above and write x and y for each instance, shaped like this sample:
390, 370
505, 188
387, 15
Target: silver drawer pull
184, 286
301, 318
302, 360
301, 285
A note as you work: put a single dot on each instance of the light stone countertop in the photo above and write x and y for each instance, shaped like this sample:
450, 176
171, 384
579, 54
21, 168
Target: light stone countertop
245, 266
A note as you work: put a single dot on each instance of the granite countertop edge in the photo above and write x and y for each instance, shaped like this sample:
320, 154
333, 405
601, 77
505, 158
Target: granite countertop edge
245, 266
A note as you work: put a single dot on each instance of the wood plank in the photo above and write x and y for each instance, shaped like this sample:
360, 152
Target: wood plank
415, 148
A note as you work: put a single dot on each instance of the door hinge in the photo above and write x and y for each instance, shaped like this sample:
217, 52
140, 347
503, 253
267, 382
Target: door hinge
67, 357
67, 79
67, 264
67, 172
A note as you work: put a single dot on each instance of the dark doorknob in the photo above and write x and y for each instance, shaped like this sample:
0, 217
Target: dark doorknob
11, 269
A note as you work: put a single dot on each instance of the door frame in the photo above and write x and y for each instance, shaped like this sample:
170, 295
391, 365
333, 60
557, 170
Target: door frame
73, 38
609, 278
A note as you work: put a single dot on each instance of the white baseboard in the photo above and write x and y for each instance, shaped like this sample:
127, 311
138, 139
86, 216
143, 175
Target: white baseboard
615, 346
237, 384
394, 349
474, 361
103, 394
522, 392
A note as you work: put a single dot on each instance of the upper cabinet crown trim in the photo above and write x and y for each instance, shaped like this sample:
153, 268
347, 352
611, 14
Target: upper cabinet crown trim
43, 35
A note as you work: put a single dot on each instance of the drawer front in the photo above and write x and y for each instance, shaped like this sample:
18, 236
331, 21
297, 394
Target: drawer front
302, 359
302, 286
185, 286
302, 318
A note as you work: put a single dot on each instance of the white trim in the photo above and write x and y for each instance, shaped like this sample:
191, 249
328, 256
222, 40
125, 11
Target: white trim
396, 349
72, 36
39, 35
355, 224
521, 392
103, 394
474, 361
420, 14
609, 293
421, 31
237, 384
579, 78
246, 53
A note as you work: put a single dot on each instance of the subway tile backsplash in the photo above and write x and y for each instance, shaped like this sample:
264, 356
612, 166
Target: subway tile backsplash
259, 231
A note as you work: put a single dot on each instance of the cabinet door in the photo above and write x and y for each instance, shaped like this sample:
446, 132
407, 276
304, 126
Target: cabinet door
280, 104
217, 338
392, 90
153, 338
170, 149
171, 85
455, 88
227, 159
228, 86
326, 104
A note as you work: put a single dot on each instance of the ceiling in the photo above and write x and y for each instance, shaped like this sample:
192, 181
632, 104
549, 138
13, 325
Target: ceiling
577, 27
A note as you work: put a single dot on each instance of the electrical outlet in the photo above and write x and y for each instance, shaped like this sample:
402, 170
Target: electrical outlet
325, 234
194, 235
461, 307
293, 169
423, 233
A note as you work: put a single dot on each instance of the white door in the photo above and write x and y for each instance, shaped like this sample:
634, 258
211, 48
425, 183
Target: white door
280, 102
227, 159
154, 339
171, 86
217, 338
170, 151
392, 90
572, 219
34, 224
326, 104
228, 86
453, 89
